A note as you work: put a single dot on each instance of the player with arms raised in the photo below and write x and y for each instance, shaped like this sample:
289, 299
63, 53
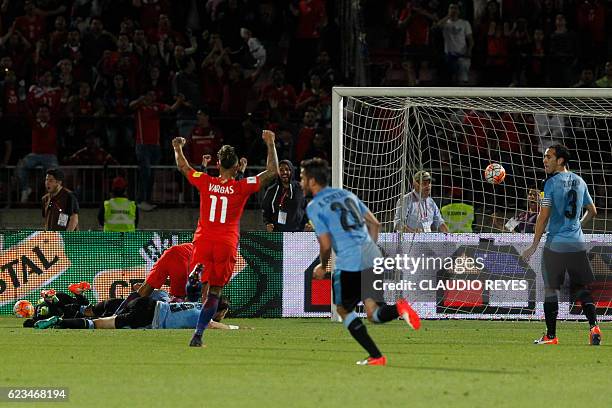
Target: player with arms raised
222, 201
342, 222
565, 194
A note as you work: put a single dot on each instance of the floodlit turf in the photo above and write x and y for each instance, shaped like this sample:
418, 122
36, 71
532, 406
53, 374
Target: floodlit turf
311, 363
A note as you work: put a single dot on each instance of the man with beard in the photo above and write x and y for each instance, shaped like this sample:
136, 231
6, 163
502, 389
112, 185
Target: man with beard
283, 202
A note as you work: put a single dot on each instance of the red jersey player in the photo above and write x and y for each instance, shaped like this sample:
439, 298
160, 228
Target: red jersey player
222, 201
173, 264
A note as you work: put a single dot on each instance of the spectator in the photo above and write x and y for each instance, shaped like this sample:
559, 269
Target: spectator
41, 59
212, 88
44, 149
491, 14
96, 41
311, 18
140, 44
148, 149
257, 51
229, 16
164, 31
150, 11
82, 110
118, 214
58, 37
606, 80
31, 25
329, 75
45, 94
537, 66
458, 44
587, 79
236, 89
305, 135
204, 138
12, 104
321, 146
155, 83
477, 125
525, 220
417, 211
311, 96
119, 128
187, 84
591, 23
549, 129
520, 49
17, 49
283, 202
60, 208
92, 153
416, 21
563, 52
285, 144
497, 63
279, 96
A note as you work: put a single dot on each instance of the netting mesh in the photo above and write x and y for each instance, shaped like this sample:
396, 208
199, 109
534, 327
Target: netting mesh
385, 140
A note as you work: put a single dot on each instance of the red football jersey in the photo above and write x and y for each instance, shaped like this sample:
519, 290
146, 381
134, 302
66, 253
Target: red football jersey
221, 206
173, 264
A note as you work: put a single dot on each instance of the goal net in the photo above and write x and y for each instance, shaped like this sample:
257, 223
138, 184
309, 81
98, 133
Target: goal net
384, 136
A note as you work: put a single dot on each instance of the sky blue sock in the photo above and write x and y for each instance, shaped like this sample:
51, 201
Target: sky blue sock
206, 314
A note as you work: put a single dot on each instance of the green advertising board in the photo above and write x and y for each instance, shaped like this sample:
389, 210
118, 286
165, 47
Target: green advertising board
31, 261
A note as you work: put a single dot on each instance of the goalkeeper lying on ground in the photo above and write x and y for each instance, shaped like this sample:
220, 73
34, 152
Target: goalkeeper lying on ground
152, 311
144, 312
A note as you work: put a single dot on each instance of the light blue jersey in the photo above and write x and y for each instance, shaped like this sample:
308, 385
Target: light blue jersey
565, 194
176, 315
341, 214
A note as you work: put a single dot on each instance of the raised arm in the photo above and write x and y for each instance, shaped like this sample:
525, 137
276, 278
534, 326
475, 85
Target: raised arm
181, 162
271, 171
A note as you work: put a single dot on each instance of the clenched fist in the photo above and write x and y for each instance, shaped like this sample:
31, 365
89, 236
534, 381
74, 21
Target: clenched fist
268, 136
178, 142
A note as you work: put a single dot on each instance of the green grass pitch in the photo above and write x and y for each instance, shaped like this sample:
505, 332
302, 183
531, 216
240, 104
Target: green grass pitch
311, 363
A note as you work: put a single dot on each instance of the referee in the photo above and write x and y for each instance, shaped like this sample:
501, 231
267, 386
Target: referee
419, 212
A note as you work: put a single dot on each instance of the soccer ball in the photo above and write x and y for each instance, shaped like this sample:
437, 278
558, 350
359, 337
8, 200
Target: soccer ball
23, 308
495, 173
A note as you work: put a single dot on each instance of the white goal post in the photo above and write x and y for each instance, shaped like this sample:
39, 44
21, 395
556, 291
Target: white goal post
382, 136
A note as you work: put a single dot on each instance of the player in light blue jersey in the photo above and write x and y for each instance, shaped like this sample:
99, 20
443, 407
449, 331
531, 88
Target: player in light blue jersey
343, 223
145, 312
565, 195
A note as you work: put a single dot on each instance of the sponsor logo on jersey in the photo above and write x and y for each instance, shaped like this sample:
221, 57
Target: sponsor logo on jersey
251, 180
197, 174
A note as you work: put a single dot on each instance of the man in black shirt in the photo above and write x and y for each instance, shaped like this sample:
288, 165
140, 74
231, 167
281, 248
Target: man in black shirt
60, 208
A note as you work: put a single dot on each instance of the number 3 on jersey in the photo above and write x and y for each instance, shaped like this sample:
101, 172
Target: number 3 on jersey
571, 203
213, 208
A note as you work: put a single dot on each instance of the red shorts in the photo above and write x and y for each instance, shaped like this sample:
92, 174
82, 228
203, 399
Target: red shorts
174, 264
218, 259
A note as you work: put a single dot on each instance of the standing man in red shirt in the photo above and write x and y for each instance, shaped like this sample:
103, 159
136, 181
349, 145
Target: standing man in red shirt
222, 200
44, 149
148, 150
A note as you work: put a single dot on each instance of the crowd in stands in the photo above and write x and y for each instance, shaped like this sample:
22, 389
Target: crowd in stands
110, 82
535, 43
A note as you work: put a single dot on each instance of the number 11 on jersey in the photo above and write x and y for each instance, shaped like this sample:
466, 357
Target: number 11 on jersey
213, 208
